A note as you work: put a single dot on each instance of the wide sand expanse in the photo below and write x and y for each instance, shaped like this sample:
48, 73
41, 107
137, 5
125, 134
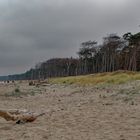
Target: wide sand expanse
74, 112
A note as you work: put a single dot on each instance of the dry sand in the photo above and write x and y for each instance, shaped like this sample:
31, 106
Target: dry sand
74, 112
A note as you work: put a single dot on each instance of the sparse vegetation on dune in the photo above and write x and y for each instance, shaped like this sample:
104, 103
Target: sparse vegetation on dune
117, 77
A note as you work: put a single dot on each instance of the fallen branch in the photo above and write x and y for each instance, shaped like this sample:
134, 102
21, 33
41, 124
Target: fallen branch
20, 116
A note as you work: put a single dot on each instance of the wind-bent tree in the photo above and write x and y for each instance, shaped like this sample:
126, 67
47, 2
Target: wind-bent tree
133, 49
86, 54
110, 52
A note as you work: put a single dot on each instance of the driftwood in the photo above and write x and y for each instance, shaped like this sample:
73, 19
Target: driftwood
19, 116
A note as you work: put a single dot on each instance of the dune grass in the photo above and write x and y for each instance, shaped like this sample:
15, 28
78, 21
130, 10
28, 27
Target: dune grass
117, 77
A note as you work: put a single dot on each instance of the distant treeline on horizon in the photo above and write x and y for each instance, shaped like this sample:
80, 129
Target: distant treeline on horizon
115, 53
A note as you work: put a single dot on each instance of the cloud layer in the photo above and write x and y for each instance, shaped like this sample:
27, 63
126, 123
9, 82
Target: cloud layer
36, 30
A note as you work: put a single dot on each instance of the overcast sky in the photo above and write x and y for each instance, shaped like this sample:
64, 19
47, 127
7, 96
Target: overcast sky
36, 30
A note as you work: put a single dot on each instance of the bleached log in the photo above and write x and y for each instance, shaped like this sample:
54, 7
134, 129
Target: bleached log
20, 116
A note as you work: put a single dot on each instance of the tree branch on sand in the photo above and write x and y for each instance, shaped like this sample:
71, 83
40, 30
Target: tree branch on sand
19, 116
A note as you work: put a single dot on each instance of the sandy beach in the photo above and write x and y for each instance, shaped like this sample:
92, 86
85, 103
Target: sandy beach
73, 112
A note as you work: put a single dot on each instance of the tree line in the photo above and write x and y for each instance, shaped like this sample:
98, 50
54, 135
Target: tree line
114, 53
